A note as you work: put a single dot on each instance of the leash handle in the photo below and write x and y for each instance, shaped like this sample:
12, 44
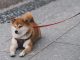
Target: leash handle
46, 25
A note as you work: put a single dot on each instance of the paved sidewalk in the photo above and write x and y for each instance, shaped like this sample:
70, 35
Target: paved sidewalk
59, 42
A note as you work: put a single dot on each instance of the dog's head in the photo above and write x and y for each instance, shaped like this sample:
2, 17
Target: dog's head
21, 25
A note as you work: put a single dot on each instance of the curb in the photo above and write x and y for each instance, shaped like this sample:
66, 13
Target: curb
17, 10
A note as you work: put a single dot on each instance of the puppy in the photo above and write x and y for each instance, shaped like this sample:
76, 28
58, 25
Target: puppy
24, 35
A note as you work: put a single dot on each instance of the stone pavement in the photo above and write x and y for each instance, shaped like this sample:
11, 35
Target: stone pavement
59, 42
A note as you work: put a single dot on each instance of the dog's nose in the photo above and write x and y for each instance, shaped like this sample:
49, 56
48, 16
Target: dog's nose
16, 31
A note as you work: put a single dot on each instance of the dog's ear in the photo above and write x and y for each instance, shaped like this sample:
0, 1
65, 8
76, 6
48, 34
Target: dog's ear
12, 19
28, 17
30, 20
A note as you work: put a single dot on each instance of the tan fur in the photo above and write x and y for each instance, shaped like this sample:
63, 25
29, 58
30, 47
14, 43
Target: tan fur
27, 16
28, 21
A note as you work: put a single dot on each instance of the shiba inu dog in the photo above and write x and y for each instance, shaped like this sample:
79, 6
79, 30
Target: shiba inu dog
24, 35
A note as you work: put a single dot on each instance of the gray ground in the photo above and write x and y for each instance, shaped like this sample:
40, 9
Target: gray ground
59, 42
7, 3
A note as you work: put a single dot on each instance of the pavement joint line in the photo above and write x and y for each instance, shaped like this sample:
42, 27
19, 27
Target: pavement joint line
56, 40
67, 43
5, 50
68, 30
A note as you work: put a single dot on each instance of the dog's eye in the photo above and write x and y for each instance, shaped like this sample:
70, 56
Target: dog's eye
20, 26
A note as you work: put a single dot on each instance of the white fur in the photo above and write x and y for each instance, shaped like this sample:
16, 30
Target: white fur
13, 47
21, 32
22, 53
26, 46
26, 43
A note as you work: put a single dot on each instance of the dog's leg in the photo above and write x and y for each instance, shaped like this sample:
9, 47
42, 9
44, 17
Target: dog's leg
13, 47
28, 47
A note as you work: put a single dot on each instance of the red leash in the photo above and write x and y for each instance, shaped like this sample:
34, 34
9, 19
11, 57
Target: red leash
56, 22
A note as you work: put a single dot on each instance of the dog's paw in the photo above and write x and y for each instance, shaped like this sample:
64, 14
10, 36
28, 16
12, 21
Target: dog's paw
12, 54
22, 54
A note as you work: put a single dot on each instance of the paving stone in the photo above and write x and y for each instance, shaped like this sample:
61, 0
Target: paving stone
72, 36
5, 30
4, 39
58, 51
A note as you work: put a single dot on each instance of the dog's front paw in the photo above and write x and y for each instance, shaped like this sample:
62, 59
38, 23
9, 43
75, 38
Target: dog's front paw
12, 54
22, 54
